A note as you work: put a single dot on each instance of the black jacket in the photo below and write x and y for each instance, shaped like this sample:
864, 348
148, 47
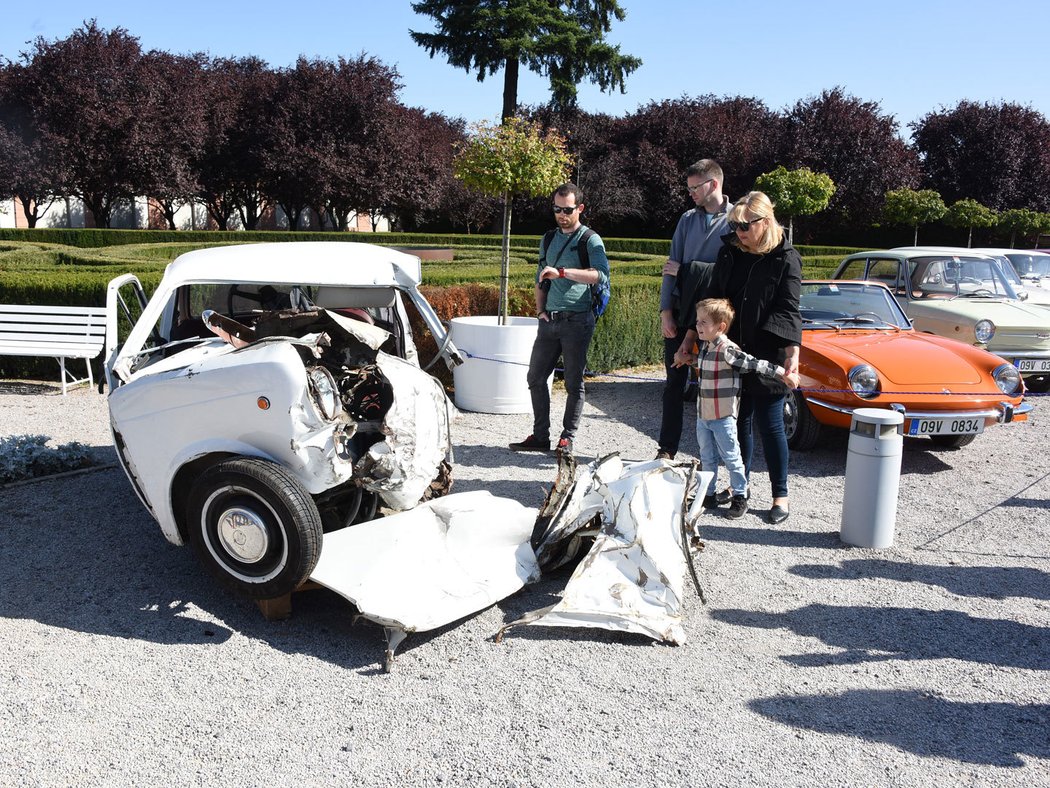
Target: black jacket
764, 291
694, 280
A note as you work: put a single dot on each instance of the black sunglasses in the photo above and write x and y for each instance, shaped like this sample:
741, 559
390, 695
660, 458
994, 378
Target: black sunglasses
745, 226
566, 210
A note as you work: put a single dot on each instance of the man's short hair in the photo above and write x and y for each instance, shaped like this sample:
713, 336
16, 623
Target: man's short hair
570, 188
705, 168
718, 309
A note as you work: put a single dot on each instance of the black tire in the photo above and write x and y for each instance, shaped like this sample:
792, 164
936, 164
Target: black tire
800, 425
952, 441
275, 543
1037, 385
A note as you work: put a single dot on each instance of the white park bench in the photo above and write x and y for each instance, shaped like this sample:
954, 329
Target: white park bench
58, 332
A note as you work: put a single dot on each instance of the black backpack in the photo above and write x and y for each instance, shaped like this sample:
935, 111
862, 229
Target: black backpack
601, 292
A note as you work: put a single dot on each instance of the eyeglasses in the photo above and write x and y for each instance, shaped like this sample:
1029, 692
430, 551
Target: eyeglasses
568, 209
745, 226
698, 187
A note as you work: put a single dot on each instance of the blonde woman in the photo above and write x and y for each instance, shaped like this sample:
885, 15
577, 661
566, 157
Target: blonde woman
760, 273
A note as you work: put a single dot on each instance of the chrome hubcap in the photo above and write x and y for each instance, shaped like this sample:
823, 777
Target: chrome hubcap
243, 534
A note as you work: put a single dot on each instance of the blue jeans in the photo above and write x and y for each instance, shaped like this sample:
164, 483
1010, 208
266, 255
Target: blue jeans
567, 336
717, 439
762, 408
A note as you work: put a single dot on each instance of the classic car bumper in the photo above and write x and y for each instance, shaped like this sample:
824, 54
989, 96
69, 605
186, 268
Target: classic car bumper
1002, 413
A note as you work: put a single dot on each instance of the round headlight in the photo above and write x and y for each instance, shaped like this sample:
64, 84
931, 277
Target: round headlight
325, 392
864, 381
984, 331
1007, 378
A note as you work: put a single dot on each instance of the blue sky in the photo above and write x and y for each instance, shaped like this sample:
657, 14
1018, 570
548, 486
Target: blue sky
909, 56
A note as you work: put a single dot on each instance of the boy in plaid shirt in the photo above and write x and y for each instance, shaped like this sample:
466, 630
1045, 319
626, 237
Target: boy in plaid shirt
720, 363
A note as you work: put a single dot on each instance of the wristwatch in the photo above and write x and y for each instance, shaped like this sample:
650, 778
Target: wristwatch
561, 273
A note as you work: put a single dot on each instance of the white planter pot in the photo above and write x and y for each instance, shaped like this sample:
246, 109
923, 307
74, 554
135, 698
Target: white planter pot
493, 379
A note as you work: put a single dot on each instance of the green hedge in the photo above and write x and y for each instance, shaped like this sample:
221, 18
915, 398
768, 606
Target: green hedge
47, 271
92, 238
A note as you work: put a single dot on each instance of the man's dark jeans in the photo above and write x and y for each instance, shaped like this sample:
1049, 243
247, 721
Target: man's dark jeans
566, 336
675, 387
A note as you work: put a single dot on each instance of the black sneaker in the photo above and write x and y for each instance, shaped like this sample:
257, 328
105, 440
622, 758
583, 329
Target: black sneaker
738, 508
726, 496
710, 501
664, 455
531, 444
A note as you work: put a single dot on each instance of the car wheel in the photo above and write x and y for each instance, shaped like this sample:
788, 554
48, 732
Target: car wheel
254, 526
800, 425
1037, 385
952, 441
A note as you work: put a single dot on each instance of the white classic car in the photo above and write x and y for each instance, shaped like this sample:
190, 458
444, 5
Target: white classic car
268, 393
963, 296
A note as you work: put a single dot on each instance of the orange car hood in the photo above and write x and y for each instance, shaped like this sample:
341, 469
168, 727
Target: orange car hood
905, 358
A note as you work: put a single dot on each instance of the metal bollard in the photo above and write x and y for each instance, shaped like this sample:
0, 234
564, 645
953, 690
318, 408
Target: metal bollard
873, 474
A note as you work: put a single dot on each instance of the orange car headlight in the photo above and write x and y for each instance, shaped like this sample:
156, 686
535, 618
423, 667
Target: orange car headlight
1007, 378
864, 381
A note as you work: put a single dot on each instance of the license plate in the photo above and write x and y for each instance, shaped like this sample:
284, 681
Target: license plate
1033, 364
946, 426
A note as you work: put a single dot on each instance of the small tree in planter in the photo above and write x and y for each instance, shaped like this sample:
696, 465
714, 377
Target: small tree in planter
967, 214
912, 208
516, 158
796, 193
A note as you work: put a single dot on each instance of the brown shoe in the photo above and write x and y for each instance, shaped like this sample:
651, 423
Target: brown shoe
531, 444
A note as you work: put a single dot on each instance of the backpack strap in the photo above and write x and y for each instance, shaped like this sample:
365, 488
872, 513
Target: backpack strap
547, 238
581, 248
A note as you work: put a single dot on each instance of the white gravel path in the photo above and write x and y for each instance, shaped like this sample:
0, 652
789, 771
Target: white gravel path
123, 664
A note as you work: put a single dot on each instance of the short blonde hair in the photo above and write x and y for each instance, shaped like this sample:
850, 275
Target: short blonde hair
718, 309
760, 206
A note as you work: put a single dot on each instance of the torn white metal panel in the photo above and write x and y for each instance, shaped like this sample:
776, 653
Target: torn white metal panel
372, 336
434, 564
402, 465
633, 577
572, 510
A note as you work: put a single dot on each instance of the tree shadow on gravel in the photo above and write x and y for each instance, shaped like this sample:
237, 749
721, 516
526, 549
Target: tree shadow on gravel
82, 554
30, 388
991, 582
922, 723
881, 634
770, 536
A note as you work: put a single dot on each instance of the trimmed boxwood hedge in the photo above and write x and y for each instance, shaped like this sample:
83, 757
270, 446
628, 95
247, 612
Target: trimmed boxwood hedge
51, 266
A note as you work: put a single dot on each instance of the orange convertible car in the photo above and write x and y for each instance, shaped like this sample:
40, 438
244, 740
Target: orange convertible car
859, 350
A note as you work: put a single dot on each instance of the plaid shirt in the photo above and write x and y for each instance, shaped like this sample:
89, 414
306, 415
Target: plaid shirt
720, 365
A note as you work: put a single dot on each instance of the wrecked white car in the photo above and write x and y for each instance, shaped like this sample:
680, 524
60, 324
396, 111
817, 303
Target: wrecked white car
269, 393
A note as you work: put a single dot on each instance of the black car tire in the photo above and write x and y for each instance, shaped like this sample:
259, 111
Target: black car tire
800, 425
254, 526
952, 441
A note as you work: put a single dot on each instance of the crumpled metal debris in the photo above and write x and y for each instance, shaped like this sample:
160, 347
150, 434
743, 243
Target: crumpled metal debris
429, 566
633, 577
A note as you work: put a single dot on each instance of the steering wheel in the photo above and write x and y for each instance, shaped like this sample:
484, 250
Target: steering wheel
235, 290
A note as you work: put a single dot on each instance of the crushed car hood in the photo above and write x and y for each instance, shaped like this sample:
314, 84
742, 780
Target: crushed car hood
632, 578
432, 565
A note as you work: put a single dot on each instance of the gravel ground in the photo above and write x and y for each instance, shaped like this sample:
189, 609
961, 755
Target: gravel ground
123, 663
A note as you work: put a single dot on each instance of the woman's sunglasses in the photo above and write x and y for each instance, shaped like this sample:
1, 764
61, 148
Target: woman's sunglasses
745, 226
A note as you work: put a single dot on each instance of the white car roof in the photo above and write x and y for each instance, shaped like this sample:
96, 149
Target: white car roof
1033, 252
959, 251
337, 263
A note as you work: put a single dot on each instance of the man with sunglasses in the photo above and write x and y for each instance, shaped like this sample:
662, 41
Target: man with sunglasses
694, 247
566, 318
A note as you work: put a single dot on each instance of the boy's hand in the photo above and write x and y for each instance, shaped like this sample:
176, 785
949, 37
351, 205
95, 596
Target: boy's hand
790, 379
683, 358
